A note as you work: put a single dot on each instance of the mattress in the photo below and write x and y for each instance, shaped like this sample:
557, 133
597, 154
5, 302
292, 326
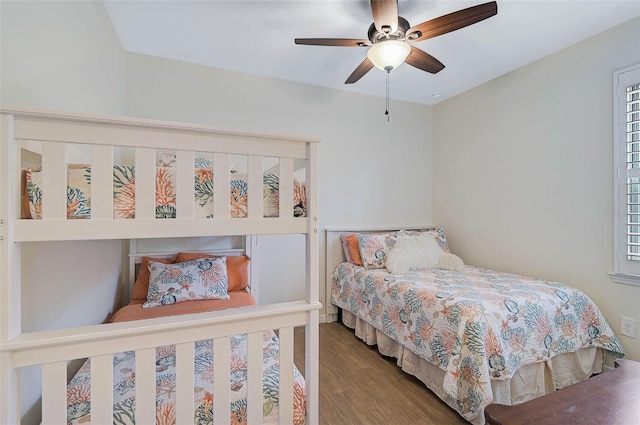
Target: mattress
79, 192
477, 327
79, 388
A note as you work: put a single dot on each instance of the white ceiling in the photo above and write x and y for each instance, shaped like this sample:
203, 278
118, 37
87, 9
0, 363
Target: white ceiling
256, 37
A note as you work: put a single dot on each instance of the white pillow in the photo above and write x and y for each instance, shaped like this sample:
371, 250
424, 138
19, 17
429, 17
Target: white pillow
414, 252
452, 262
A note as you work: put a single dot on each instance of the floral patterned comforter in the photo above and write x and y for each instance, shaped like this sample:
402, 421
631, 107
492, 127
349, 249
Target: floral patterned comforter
476, 325
79, 389
79, 193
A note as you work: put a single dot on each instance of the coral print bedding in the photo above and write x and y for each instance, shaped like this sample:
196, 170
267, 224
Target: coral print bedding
79, 389
477, 325
79, 192
202, 279
374, 248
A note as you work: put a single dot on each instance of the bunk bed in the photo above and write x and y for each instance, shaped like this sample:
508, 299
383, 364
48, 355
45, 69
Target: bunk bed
99, 142
472, 336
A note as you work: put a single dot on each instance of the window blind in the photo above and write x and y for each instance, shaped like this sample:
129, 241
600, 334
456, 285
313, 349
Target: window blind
633, 171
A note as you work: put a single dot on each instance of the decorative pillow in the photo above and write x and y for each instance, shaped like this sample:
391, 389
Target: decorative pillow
450, 262
78, 191
203, 163
437, 233
166, 159
345, 248
237, 268
271, 197
141, 287
354, 248
374, 248
414, 252
207, 163
204, 279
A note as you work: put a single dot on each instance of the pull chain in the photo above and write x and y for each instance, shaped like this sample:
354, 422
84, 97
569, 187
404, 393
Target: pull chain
386, 112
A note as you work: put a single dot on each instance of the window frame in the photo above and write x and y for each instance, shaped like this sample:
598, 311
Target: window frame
625, 271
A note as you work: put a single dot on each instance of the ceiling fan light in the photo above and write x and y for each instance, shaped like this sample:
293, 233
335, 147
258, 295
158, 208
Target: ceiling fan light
388, 53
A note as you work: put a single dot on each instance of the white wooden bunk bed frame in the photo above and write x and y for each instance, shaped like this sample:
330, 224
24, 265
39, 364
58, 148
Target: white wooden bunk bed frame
52, 349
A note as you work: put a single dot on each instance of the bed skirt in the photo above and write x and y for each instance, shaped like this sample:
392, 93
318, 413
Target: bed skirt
529, 382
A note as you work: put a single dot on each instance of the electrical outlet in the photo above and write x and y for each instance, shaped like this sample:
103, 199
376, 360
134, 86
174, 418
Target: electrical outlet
628, 327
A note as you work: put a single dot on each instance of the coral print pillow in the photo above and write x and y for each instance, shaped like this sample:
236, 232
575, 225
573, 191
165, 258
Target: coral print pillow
202, 279
374, 248
438, 234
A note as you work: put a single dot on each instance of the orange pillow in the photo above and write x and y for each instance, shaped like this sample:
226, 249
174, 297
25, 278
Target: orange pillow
237, 268
26, 210
141, 287
355, 249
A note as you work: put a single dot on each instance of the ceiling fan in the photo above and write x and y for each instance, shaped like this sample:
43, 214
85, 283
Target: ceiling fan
389, 36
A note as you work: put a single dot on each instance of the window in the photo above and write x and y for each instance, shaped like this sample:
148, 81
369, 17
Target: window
626, 109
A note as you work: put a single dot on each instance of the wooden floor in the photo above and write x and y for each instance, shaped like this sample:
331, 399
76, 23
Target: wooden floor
359, 386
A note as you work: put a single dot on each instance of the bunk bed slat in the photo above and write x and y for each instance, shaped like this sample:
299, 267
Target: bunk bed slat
145, 386
101, 182
102, 389
54, 393
285, 185
255, 189
254, 378
54, 181
184, 383
221, 185
145, 183
185, 207
286, 376
221, 380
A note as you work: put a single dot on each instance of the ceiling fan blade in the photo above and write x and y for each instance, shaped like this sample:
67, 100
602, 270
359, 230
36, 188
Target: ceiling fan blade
343, 42
424, 61
453, 21
385, 15
359, 72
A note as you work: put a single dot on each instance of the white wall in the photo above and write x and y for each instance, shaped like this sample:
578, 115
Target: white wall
60, 55
63, 56
372, 172
523, 172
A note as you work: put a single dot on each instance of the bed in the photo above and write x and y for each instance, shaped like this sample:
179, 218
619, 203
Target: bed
124, 377
473, 336
157, 345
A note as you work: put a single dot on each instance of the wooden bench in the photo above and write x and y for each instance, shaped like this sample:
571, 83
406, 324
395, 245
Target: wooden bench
612, 397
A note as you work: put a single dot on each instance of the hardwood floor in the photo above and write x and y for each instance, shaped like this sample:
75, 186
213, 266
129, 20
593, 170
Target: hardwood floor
359, 386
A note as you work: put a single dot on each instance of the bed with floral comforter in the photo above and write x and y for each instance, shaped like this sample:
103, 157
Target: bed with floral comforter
477, 325
79, 389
